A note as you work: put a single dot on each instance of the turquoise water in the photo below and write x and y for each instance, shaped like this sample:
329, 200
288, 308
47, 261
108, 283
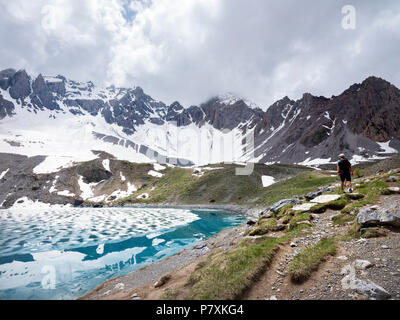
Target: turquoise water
63, 253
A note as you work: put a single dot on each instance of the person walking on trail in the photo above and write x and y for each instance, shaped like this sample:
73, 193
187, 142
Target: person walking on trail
345, 171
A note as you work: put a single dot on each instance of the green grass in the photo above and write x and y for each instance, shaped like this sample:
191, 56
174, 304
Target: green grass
307, 261
334, 205
370, 192
170, 294
226, 275
223, 186
342, 219
373, 233
300, 217
301, 184
263, 227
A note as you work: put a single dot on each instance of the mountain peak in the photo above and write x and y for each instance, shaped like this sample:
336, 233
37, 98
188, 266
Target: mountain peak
375, 82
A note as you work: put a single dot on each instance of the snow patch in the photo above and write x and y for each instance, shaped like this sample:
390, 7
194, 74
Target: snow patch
66, 193
267, 181
53, 186
4, 173
155, 174
123, 179
106, 164
25, 202
385, 147
120, 194
314, 162
158, 167
86, 188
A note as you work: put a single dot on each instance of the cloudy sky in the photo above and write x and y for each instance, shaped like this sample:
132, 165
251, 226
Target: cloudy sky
190, 50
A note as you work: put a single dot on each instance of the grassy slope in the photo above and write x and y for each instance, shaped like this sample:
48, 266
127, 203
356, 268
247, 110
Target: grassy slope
223, 186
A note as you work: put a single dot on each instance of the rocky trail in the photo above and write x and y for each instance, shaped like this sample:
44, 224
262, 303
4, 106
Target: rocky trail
383, 255
361, 267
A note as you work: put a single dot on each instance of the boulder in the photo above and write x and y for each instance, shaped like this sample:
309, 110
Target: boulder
280, 204
78, 202
370, 289
312, 195
365, 287
369, 217
163, 280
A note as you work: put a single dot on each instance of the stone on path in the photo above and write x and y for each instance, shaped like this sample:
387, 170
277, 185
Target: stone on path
304, 206
326, 198
362, 264
200, 245
312, 195
394, 189
119, 286
391, 179
278, 205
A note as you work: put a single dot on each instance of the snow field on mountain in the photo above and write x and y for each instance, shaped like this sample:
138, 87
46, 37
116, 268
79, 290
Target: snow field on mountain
204, 145
62, 137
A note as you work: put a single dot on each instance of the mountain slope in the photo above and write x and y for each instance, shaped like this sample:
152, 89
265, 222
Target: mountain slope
64, 120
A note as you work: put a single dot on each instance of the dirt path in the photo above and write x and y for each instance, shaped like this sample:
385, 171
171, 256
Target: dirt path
325, 283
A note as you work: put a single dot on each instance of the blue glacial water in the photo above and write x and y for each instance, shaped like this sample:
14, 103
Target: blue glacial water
63, 253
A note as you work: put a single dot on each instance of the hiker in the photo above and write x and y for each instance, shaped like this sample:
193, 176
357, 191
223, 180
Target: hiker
345, 171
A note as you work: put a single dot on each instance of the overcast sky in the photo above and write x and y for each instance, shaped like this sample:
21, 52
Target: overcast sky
190, 50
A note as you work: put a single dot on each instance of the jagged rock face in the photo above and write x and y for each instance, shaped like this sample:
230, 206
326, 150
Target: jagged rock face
325, 127
374, 111
6, 108
20, 85
42, 96
289, 131
5, 78
228, 116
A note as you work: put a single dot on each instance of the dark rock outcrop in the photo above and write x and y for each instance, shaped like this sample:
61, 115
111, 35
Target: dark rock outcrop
20, 86
370, 217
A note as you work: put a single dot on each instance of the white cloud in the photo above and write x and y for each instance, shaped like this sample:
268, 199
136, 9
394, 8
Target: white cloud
189, 50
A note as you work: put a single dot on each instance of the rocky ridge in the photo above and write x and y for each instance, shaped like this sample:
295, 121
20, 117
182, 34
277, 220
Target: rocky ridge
362, 121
